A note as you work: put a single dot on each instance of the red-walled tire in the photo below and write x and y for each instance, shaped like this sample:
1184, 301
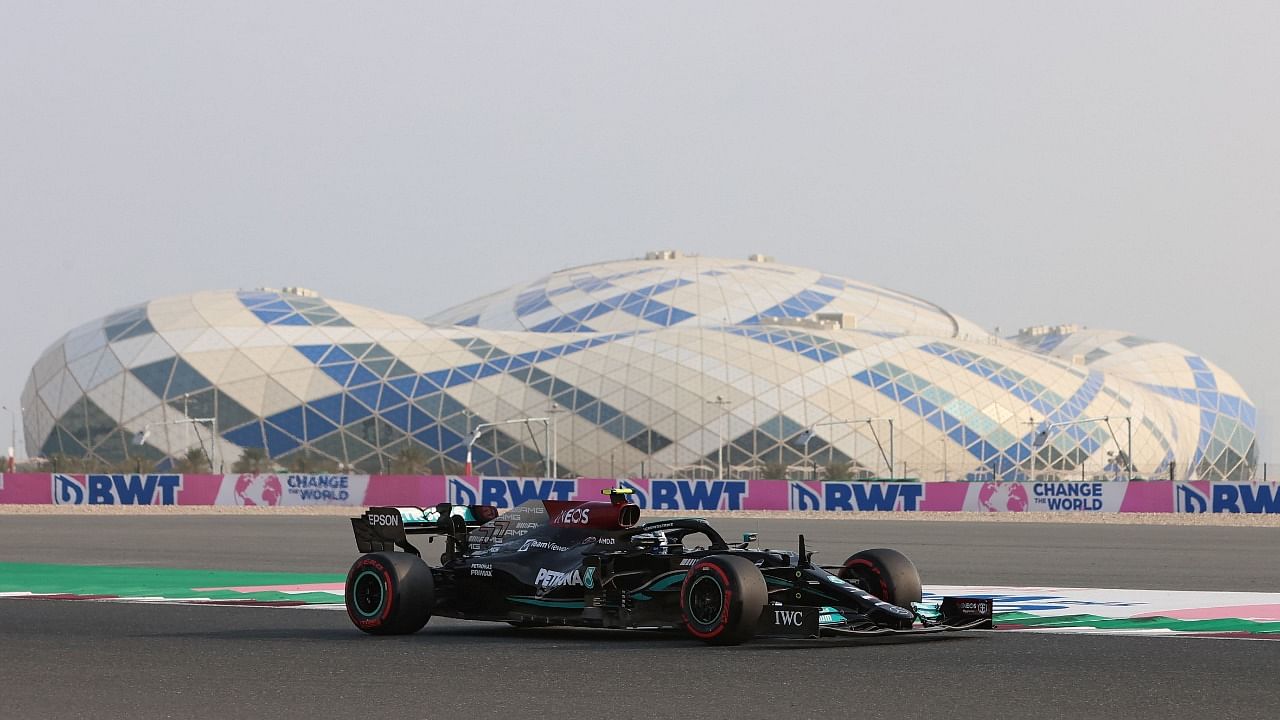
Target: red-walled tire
887, 574
389, 593
722, 598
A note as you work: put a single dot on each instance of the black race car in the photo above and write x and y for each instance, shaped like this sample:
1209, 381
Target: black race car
592, 564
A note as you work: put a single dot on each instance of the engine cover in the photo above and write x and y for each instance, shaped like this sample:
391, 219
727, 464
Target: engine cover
592, 514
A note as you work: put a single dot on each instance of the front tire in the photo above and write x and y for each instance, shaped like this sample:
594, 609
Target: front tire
722, 598
886, 574
389, 593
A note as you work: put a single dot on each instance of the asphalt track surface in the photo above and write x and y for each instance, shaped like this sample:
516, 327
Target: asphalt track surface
95, 659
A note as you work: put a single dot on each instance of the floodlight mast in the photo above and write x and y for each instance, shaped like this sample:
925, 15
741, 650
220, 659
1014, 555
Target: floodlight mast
810, 431
723, 404
467, 471
547, 452
1043, 434
805, 437
140, 437
13, 436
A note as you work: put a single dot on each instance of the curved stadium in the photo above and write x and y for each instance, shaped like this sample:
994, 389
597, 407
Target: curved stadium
664, 366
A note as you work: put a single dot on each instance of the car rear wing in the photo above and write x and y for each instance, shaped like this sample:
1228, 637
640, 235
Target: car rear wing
381, 529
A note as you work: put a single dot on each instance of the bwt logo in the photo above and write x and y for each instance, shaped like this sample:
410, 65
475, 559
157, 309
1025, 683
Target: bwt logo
1191, 500
690, 494
857, 496
640, 496
802, 498
1229, 498
1239, 497
117, 490
510, 492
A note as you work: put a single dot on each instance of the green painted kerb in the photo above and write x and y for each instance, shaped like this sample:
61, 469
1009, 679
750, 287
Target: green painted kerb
1223, 625
170, 583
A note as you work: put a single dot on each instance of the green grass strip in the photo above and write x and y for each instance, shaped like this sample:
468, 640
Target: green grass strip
158, 582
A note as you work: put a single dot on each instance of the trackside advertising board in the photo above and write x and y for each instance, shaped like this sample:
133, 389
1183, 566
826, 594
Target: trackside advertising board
247, 490
296, 490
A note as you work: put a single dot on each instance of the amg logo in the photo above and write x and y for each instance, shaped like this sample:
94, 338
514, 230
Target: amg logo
788, 617
548, 579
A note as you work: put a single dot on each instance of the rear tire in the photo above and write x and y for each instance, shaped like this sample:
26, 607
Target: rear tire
886, 574
722, 598
389, 593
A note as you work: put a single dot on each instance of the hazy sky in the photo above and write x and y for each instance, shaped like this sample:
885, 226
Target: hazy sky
1115, 164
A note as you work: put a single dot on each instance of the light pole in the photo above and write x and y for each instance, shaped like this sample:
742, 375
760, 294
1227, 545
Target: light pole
1128, 464
546, 428
552, 413
142, 435
1106, 419
870, 421
891, 453
724, 419
1035, 445
943, 440
471, 441
466, 471
806, 436
13, 436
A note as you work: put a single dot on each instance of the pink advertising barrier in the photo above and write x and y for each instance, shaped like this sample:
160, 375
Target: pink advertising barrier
276, 489
292, 490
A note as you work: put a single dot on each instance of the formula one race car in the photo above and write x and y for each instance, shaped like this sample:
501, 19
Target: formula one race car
591, 564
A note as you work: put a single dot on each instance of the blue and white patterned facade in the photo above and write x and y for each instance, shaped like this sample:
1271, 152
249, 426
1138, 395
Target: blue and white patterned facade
629, 359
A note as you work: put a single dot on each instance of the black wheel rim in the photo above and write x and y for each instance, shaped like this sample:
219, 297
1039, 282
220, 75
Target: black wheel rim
706, 601
368, 594
862, 578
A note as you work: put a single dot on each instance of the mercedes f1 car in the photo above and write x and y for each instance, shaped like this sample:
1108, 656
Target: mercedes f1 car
593, 564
